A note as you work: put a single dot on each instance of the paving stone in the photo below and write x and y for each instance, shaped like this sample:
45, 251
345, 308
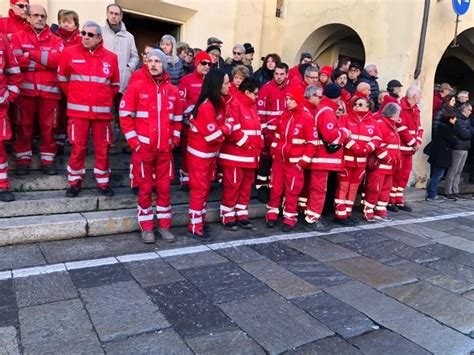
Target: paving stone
386, 342
240, 254
336, 315
315, 272
61, 325
374, 304
448, 308
161, 342
319, 249
8, 341
45, 288
189, 261
121, 310
277, 251
224, 282
431, 335
448, 252
9, 316
274, 323
371, 272
451, 284
92, 248
406, 238
458, 243
99, 276
279, 279
20, 256
469, 295
153, 272
421, 231
230, 342
458, 271
419, 271
337, 238
382, 251
7, 293
188, 310
326, 346
467, 233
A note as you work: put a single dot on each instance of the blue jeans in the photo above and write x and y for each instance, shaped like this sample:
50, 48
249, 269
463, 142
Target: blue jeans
436, 175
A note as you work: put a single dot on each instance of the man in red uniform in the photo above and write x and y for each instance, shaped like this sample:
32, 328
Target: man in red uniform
10, 79
189, 90
16, 20
152, 134
270, 105
238, 157
89, 77
38, 51
328, 155
411, 136
312, 98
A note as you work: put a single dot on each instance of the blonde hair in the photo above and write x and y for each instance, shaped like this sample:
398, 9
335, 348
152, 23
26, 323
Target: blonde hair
173, 56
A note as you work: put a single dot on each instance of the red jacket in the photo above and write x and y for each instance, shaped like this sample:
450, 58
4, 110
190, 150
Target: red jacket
139, 74
409, 127
295, 137
345, 96
243, 146
207, 131
365, 138
39, 69
90, 80
189, 89
330, 132
69, 38
310, 106
387, 100
147, 112
12, 24
294, 73
10, 80
270, 105
388, 152
437, 102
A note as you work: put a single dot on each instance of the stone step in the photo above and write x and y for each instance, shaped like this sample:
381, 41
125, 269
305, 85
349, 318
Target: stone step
19, 230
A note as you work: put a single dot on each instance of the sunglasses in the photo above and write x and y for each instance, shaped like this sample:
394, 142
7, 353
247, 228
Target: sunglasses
360, 104
88, 34
237, 53
22, 6
315, 95
205, 64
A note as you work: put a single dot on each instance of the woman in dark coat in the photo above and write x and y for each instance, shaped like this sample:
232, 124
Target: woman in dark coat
265, 73
440, 153
449, 103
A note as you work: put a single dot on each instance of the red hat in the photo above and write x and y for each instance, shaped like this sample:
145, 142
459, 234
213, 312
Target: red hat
296, 93
326, 70
13, 2
202, 55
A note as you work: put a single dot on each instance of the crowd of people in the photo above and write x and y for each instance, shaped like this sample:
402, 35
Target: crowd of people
303, 135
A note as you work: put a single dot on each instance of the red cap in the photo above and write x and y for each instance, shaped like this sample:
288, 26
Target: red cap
297, 94
202, 55
326, 70
13, 2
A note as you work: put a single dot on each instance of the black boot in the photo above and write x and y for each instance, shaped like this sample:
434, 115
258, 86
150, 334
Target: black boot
6, 196
49, 170
22, 169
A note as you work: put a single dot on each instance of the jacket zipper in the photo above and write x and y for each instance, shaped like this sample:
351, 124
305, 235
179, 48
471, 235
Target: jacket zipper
158, 117
286, 138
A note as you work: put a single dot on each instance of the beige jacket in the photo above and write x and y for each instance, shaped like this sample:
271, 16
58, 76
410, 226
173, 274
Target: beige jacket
122, 43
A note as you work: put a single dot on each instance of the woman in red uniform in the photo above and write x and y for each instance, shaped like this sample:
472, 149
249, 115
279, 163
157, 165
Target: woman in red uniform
208, 129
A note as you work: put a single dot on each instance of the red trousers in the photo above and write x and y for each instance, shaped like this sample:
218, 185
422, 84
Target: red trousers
201, 173
3, 166
183, 169
348, 182
377, 193
155, 170
60, 133
236, 191
286, 181
401, 175
317, 195
28, 110
78, 133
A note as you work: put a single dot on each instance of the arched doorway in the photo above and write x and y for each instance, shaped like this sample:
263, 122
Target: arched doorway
331, 42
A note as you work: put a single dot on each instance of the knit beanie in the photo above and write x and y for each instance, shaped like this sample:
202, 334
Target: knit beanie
13, 2
326, 70
202, 55
305, 55
159, 53
332, 91
248, 48
337, 73
297, 94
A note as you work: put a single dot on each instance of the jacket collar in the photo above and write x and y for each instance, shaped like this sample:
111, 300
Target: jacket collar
329, 103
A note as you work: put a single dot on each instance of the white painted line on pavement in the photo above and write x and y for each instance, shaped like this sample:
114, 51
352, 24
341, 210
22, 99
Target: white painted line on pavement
215, 246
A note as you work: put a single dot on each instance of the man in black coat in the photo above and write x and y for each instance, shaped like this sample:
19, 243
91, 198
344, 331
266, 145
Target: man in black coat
369, 76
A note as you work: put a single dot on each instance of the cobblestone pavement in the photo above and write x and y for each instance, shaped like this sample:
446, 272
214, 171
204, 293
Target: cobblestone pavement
405, 287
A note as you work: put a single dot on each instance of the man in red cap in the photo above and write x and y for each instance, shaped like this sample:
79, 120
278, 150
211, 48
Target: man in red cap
189, 89
16, 19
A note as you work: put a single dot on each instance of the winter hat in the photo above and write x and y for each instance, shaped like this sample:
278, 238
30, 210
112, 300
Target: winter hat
248, 48
13, 2
355, 65
326, 70
159, 53
305, 55
332, 91
202, 56
337, 73
296, 93
213, 47
394, 84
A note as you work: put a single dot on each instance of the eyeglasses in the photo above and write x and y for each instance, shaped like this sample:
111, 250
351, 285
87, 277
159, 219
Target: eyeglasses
359, 104
313, 77
22, 6
237, 53
316, 95
143, 53
205, 64
89, 34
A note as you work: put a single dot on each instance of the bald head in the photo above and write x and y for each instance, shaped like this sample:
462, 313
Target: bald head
364, 88
37, 16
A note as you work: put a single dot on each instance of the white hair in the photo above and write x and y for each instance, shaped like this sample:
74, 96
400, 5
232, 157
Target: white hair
93, 24
462, 93
391, 110
413, 90
368, 68
239, 46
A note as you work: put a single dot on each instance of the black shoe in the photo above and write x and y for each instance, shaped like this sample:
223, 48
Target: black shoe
206, 228
404, 208
72, 192
450, 197
49, 170
246, 224
22, 169
345, 222
392, 208
107, 191
231, 226
353, 220
318, 226
271, 224
135, 190
286, 228
203, 238
6, 196
460, 197
60, 150
184, 188
263, 194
